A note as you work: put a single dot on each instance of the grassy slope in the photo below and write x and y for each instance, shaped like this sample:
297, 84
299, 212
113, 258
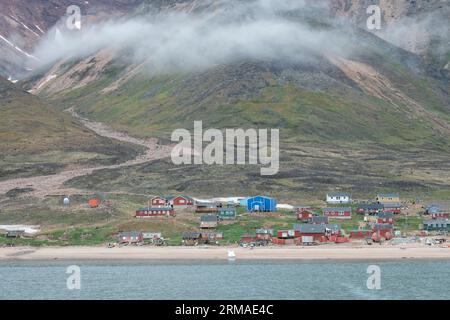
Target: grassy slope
333, 135
333, 138
36, 138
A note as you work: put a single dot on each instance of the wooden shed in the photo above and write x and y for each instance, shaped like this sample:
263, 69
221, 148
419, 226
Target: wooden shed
319, 220
227, 213
131, 237
154, 212
206, 207
208, 221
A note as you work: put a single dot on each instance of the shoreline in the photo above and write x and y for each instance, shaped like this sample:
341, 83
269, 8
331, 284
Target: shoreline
221, 253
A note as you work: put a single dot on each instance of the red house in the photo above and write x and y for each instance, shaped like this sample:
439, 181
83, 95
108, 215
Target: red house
395, 208
181, 201
338, 213
264, 234
304, 214
317, 231
159, 201
288, 234
384, 230
385, 217
360, 234
248, 238
154, 212
440, 215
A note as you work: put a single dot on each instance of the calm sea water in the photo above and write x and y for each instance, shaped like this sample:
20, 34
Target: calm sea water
225, 280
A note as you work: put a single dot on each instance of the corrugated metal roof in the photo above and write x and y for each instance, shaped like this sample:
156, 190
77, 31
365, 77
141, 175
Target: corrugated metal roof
264, 231
191, 235
436, 221
209, 218
371, 206
385, 215
382, 226
319, 219
388, 195
338, 194
316, 228
339, 209
155, 208
130, 234
392, 205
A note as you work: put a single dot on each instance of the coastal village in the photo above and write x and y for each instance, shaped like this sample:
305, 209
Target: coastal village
315, 226
258, 221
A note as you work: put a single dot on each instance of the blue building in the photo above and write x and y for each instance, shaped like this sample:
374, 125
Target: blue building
261, 204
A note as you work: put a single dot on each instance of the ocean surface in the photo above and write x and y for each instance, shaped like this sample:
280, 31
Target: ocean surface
224, 280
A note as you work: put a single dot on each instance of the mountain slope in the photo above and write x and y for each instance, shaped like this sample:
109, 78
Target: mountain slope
362, 98
36, 138
362, 116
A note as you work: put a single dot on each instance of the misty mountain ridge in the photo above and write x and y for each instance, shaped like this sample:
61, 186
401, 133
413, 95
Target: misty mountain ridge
228, 58
350, 104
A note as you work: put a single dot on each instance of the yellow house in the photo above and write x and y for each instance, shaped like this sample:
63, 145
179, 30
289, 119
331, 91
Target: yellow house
388, 197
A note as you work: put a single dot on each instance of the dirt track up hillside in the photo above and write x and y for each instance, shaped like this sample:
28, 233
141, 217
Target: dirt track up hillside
53, 184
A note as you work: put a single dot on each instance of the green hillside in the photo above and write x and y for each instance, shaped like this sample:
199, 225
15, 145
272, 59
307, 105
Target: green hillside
373, 119
36, 138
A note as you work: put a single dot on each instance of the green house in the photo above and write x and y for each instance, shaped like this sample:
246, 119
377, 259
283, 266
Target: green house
437, 225
228, 213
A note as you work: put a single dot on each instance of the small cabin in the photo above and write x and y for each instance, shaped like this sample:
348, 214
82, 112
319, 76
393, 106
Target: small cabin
227, 213
385, 217
338, 198
319, 220
317, 231
159, 201
181, 201
211, 236
360, 234
392, 207
131, 237
304, 215
264, 234
248, 238
440, 215
388, 198
208, 221
206, 207
437, 225
191, 238
371, 208
154, 212
384, 230
338, 213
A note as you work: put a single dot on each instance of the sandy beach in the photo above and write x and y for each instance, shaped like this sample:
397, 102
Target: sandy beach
221, 253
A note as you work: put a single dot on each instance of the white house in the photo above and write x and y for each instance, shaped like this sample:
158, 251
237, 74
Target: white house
338, 197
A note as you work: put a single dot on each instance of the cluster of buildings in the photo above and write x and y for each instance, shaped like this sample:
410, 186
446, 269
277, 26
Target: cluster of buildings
440, 219
313, 227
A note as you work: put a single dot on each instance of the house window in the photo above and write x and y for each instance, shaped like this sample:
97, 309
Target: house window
182, 201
